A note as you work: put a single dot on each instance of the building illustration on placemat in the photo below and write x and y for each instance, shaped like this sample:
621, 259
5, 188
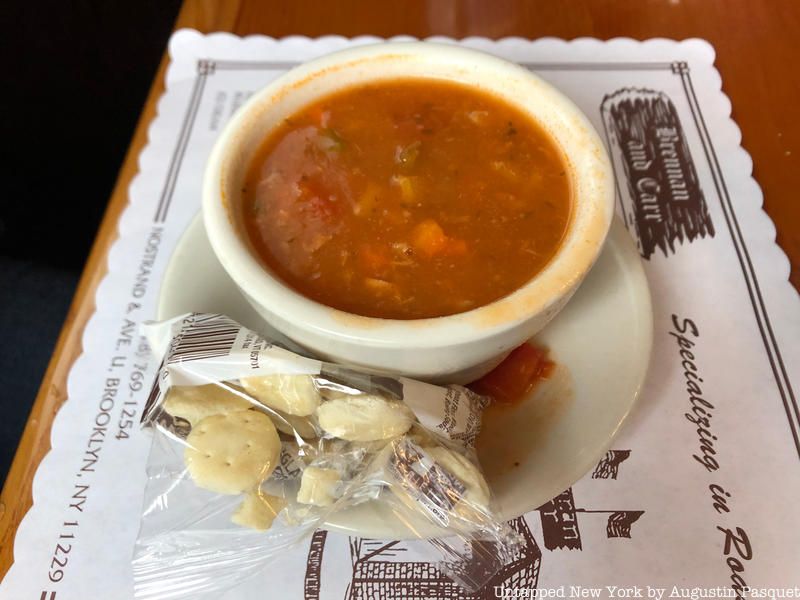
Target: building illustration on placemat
561, 527
608, 467
658, 190
379, 572
384, 569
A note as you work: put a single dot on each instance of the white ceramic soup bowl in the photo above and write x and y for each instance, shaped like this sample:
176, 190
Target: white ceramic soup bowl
455, 348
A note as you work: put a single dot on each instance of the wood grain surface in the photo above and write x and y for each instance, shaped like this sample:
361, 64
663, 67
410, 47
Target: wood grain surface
757, 44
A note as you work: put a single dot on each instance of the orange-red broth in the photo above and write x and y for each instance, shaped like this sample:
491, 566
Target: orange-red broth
407, 199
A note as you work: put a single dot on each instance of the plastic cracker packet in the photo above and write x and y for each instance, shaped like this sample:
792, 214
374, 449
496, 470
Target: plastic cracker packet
255, 447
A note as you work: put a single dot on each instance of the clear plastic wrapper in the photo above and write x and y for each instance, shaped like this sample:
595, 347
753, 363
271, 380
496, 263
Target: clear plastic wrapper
255, 447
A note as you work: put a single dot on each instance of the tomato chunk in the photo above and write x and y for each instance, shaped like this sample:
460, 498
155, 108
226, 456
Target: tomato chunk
516, 376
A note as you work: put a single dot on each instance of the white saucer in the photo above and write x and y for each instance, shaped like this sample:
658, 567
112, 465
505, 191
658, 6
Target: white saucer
601, 340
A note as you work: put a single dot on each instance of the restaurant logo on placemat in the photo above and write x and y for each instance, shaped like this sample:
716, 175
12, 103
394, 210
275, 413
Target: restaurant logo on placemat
660, 196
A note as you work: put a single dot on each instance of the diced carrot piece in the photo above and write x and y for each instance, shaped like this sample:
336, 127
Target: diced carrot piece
516, 376
373, 260
428, 238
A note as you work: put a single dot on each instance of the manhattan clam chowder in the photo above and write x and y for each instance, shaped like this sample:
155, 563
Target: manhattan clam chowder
407, 199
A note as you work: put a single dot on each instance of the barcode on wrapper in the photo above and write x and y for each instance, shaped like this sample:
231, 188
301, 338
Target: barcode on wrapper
208, 336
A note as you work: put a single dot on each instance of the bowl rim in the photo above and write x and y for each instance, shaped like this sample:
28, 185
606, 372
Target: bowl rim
483, 322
